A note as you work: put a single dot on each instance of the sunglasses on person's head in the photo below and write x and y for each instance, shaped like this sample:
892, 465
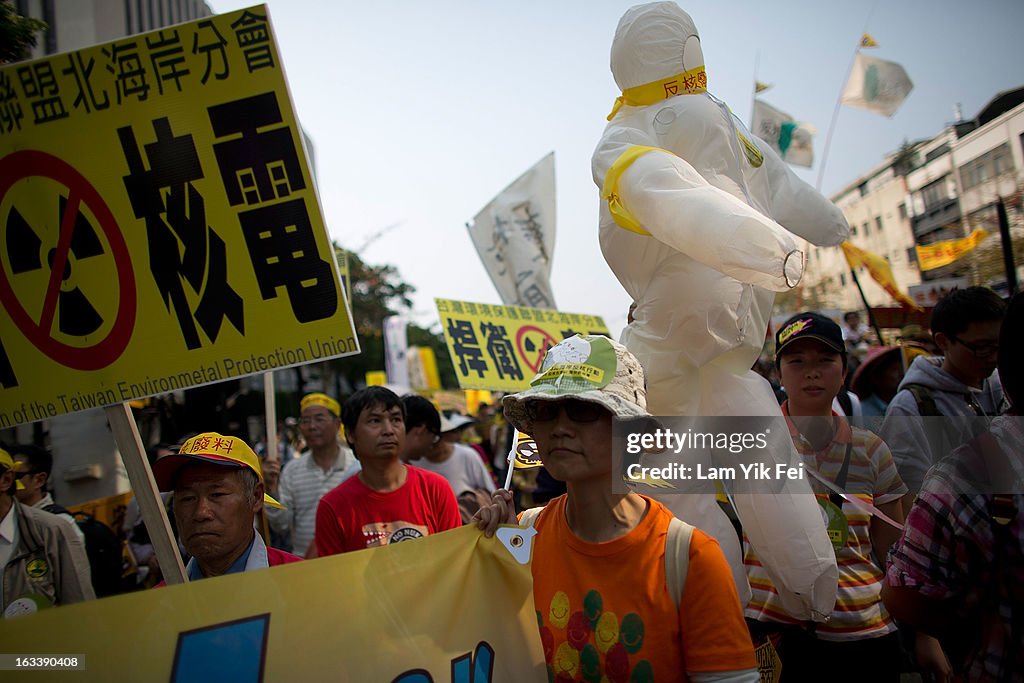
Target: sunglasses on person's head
575, 410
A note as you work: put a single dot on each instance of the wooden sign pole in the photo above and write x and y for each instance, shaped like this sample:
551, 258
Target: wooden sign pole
133, 454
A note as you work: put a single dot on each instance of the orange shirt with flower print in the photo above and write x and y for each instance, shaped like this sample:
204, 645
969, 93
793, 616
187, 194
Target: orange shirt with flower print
604, 609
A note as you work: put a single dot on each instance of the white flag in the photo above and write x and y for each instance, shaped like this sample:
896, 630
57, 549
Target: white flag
876, 85
515, 237
792, 140
396, 348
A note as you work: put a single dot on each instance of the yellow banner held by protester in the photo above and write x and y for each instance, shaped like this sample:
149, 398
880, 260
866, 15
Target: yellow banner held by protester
452, 607
160, 223
880, 271
938, 254
501, 347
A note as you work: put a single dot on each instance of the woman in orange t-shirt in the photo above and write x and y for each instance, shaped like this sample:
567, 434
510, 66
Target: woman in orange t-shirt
600, 585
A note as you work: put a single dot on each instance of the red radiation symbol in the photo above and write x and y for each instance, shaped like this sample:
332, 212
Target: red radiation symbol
532, 343
65, 310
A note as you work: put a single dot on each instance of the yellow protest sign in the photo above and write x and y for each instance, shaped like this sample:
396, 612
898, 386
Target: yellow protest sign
454, 607
501, 347
109, 510
159, 226
931, 256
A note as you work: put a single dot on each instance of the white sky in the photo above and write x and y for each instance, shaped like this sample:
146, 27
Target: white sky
422, 110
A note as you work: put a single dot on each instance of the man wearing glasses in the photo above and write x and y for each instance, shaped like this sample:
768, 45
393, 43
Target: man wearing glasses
319, 469
34, 465
959, 386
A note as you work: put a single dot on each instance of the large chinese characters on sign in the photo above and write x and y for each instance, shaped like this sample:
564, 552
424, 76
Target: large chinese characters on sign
159, 227
501, 347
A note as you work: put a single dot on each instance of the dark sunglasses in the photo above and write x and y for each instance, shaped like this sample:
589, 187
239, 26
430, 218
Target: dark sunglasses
575, 410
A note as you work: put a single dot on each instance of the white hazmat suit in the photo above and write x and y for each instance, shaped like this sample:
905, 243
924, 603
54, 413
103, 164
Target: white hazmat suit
697, 223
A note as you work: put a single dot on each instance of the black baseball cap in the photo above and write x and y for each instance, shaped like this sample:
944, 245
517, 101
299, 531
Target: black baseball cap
810, 325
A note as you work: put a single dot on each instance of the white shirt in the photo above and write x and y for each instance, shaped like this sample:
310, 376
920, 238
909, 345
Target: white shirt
464, 470
303, 484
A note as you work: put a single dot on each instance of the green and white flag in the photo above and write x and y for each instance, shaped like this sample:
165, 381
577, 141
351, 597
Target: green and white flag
791, 139
876, 85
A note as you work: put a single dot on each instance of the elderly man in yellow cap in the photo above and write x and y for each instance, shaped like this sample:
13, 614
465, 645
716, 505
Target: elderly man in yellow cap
303, 483
42, 562
217, 486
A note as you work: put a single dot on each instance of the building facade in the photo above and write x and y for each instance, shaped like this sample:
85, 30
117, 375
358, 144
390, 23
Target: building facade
75, 24
932, 190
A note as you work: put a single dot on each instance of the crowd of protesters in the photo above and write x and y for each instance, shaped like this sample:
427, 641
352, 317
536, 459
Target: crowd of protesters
930, 560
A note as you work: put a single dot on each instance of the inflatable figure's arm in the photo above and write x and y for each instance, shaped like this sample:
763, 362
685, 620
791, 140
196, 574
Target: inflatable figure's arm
799, 207
654, 192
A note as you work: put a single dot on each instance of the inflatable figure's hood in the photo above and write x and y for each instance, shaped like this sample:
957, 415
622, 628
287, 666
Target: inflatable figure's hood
652, 42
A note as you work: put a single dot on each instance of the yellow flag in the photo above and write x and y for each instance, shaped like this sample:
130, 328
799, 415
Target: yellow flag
867, 41
943, 253
761, 87
880, 270
527, 454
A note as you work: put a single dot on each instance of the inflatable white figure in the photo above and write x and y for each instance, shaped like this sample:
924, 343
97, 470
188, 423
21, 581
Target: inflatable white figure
696, 224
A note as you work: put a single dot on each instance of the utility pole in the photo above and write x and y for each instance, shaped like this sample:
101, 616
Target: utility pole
1004, 236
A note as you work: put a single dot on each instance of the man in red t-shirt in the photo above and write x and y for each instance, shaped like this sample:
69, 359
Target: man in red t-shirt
387, 501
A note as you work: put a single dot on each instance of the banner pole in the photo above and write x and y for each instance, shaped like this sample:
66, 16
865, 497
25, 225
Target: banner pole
871, 316
832, 124
270, 408
512, 460
839, 100
133, 454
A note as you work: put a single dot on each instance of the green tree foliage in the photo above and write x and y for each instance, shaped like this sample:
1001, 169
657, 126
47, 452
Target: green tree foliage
17, 33
377, 292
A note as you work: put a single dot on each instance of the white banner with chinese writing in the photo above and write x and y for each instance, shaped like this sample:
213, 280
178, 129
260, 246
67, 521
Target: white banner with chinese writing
396, 347
515, 237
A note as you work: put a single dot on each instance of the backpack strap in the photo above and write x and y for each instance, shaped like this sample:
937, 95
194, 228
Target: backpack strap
845, 402
677, 550
924, 399
529, 516
677, 557
56, 509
